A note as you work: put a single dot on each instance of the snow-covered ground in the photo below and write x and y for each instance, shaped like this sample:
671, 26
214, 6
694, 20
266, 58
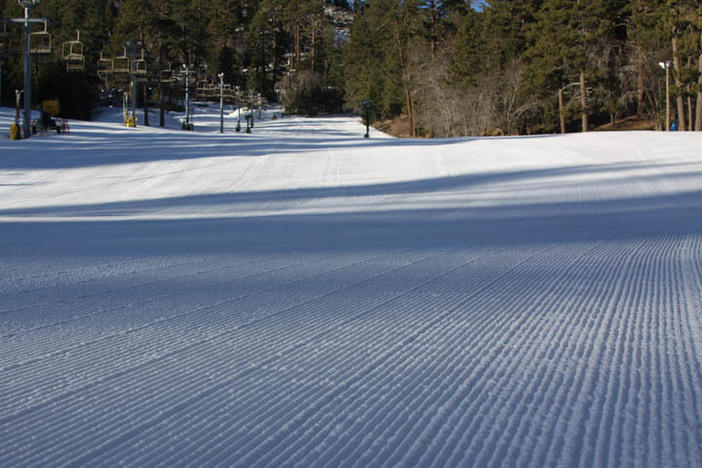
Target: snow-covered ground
302, 296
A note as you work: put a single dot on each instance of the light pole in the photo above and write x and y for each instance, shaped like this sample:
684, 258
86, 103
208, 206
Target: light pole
221, 102
666, 65
27, 123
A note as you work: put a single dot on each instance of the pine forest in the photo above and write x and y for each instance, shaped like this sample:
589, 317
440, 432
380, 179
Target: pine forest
425, 68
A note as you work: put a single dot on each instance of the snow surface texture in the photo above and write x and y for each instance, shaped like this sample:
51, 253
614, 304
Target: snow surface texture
303, 296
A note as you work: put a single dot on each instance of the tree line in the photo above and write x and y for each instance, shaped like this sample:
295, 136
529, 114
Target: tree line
270, 47
450, 69
526, 66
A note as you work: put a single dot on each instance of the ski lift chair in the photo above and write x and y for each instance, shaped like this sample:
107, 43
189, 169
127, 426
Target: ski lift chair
140, 65
104, 65
4, 40
166, 76
120, 64
73, 54
40, 42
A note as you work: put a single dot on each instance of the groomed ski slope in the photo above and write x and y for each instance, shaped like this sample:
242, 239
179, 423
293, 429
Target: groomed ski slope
303, 296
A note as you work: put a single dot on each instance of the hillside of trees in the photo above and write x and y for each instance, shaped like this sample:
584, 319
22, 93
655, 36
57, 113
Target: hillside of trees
274, 48
526, 66
509, 67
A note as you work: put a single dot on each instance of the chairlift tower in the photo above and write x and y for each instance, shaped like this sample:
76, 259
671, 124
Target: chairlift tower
134, 48
127, 63
27, 5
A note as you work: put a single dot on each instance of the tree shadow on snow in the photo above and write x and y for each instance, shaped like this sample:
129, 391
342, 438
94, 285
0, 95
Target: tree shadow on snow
393, 228
118, 145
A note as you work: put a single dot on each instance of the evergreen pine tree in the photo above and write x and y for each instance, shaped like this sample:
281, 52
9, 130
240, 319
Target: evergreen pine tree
470, 54
570, 42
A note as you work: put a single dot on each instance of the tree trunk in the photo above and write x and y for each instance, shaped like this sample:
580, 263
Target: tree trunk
583, 100
314, 43
561, 111
405, 79
161, 110
297, 37
640, 84
698, 118
146, 105
297, 45
690, 109
275, 57
679, 85
432, 12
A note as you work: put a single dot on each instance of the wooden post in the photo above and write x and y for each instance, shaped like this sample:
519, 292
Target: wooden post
561, 111
667, 96
146, 106
405, 79
698, 116
432, 12
583, 100
678, 83
640, 84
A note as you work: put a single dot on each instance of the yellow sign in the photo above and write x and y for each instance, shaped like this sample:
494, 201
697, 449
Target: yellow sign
50, 107
131, 120
15, 133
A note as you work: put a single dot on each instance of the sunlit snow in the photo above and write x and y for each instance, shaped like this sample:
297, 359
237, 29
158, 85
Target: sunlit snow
303, 296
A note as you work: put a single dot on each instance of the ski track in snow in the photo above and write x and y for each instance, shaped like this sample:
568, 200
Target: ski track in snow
303, 296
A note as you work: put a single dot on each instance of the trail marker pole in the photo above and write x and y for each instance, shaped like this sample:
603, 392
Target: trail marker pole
187, 125
221, 102
367, 107
666, 65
